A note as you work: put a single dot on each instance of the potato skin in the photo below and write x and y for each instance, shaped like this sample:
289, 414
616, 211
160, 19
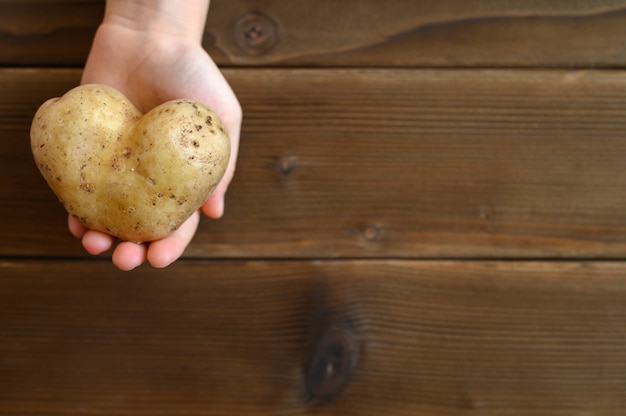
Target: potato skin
137, 177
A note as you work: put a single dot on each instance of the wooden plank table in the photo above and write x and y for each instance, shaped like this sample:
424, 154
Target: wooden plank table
428, 218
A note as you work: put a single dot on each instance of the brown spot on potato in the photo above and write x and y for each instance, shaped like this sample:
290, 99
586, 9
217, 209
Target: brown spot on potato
87, 187
48, 170
115, 164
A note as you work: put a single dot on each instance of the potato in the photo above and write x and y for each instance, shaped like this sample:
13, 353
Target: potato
137, 177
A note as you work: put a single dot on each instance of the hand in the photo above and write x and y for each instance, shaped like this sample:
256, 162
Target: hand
151, 67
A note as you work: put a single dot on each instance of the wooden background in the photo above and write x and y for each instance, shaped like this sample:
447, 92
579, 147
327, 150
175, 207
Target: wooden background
428, 218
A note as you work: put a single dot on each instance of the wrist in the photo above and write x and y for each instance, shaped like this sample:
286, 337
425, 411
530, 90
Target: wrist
177, 18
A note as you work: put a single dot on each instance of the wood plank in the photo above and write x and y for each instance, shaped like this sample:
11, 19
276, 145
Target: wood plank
349, 33
44, 32
447, 33
215, 338
381, 163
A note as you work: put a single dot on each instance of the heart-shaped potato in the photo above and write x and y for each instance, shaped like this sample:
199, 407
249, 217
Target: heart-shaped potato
137, 177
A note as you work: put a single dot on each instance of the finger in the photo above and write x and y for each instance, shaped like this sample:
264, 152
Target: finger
213, 207
164, 252
77, 229
96, 242
127, 255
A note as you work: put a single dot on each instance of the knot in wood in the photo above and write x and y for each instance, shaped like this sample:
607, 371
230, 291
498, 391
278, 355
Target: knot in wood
286, 165
372, 232
256, 33
332, 363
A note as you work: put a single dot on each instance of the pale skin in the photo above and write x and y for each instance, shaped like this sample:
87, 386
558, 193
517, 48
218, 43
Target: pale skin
151, 51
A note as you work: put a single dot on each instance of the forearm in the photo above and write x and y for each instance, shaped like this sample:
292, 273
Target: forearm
180, 18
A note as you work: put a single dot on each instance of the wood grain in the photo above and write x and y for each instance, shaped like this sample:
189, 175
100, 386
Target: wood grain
381, 163
56, 33
448, 33
216, 338
398, 240
451, 33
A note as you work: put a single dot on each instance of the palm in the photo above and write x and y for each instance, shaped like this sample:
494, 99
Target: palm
165, 68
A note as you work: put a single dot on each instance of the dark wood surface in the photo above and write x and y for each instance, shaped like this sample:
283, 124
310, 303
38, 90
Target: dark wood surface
450, 33
382, 163
216, 338
428, 218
